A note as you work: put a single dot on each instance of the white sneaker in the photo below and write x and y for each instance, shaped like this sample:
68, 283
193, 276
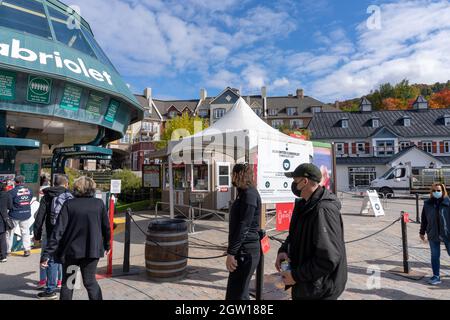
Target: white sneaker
3, 260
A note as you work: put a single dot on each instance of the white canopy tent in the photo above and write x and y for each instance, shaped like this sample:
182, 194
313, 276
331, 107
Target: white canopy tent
236, 134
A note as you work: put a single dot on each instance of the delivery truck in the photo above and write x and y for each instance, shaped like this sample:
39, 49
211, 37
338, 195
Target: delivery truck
407, 180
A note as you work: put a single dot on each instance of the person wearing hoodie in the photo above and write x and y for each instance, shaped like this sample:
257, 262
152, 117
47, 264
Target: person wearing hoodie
436, 224
315, 247
46, 217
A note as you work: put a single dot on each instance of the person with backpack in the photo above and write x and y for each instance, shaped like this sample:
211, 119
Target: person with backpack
80, 238
20, 214
46, 218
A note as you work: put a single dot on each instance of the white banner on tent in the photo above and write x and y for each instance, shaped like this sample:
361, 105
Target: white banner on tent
275, 158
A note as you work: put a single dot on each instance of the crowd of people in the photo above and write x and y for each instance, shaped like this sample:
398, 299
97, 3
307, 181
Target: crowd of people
73, 228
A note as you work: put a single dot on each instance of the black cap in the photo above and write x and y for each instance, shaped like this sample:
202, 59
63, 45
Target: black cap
306, 170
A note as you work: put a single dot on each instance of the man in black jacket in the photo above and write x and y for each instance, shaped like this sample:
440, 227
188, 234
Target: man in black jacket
44, 216
315, 245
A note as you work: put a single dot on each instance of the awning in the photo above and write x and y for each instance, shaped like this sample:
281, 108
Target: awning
19, 144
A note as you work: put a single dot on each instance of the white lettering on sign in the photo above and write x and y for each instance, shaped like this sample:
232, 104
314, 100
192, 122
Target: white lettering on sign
16, 51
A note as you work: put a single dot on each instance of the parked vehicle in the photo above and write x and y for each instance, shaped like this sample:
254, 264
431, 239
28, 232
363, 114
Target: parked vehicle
407, 180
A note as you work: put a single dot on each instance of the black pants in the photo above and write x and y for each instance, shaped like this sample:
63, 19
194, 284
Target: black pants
239, 279
3, 246
88, 268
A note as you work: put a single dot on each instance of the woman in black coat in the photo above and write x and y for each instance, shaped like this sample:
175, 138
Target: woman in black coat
80, 238
244, 248
5, 204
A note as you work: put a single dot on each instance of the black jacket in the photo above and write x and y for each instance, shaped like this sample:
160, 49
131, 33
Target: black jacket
244, 221
82, 231
316, 247
43, 213
5, 204
436, 219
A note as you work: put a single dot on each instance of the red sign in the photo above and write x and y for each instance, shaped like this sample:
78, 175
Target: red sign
265, 244
405, 217
223, 189
284, 214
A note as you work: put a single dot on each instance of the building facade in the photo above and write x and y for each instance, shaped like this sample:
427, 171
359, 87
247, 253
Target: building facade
368, 143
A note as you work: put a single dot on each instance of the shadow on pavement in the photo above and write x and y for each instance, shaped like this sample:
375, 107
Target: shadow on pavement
17, 284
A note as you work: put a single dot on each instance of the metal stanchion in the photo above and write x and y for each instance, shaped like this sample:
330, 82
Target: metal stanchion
126, 251
406, 270
417, 209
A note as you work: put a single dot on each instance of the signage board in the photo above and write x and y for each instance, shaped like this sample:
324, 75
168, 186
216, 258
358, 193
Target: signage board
7, 85
372, 202
275, 158
71, 97
112, 110
151, 176
94, 103
30, 171
283, 214
39, 89
116, 186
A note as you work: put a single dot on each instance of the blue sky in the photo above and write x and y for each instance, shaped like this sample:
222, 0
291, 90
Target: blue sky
332, 49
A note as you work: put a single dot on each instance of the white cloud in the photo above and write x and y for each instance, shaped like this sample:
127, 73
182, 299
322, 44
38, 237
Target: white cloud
413, 43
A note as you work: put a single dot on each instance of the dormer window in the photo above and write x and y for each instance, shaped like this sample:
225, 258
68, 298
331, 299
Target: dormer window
447, 120
173, 114
272, 112
258, 111
291, 111
406, 121
420, 104
365, 105
219, 113
316, 109
375, 122
344, 123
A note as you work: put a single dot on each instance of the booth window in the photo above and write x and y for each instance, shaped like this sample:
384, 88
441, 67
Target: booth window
25, 15
179, 177
200, 177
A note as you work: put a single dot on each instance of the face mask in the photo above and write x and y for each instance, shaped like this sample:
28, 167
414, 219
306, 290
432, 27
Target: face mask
295, 190
437, 194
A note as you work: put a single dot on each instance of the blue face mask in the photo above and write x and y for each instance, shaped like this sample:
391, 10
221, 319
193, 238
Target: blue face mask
437, 194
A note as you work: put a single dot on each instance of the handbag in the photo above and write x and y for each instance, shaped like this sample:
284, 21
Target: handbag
9, 224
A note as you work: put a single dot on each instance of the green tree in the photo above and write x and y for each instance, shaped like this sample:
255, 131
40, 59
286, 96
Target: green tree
129, 180
180, 127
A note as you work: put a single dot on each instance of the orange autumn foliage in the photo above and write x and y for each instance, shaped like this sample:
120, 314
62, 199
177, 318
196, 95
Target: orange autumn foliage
440, 100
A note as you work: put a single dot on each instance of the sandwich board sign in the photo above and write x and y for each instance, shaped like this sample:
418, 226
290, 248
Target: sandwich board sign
372, 203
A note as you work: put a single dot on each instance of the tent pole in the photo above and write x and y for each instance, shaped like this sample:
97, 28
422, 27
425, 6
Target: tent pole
171, 191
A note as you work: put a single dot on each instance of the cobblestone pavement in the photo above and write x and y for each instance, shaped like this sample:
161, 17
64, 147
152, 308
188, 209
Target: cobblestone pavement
206, 279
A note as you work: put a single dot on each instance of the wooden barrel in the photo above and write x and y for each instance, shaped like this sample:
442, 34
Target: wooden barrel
162, 261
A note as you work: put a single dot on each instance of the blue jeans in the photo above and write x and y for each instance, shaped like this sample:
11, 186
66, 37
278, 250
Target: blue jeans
435, 247
47, 273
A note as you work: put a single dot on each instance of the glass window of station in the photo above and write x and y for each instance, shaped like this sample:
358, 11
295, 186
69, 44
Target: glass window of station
30, 16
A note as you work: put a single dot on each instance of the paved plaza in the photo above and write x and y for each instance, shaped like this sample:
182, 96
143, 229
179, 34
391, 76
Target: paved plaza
370, 261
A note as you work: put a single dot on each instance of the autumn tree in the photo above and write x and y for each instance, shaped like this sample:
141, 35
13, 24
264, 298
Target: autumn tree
180, 127
440, 99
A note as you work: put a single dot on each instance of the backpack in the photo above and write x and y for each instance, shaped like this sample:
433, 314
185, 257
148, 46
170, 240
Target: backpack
57, 203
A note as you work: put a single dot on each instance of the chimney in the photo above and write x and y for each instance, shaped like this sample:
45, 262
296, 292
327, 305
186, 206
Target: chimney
148, 96
300, 94
264, 101
203, 94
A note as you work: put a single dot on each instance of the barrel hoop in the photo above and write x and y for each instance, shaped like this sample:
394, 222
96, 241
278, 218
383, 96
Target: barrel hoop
168, 234
166, 271
159, 263
166, 244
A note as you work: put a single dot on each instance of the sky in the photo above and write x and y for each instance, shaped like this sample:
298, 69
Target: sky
334, 50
